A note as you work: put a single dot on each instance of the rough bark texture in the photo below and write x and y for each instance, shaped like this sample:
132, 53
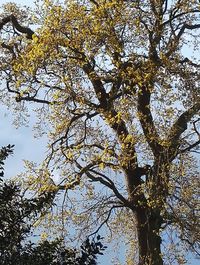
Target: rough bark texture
149, 240
149, 219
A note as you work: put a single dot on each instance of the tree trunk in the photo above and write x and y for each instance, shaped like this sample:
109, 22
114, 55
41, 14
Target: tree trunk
149, 240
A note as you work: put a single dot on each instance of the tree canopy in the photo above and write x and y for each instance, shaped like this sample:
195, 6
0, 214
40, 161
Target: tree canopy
115, 86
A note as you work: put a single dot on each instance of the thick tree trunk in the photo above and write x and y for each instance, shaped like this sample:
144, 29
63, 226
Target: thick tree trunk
149, 240
149, 219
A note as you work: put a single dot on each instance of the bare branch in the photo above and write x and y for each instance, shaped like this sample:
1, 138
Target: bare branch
27, 98
29, 33
108, 182
187, 26
173, 17
105, 221
189, 148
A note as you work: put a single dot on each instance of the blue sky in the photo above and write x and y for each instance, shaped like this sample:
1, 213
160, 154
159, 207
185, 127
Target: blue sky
27, 147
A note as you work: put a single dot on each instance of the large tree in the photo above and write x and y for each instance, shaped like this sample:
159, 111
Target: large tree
117, 90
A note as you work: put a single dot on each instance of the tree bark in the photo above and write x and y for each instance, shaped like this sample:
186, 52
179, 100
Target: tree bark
148, 224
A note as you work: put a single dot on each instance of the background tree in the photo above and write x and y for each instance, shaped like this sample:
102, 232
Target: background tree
120, 103
17, 217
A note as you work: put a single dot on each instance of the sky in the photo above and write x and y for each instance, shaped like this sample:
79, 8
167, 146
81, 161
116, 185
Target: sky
28, 147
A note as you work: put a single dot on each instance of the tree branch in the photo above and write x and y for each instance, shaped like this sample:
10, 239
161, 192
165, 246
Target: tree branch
97, 84
29, 33
187, 26
179, 15
181, 124
105, 221
108, 182
146, 120
190, 147
178, 128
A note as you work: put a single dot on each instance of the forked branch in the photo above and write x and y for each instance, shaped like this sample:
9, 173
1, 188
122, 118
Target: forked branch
12, 19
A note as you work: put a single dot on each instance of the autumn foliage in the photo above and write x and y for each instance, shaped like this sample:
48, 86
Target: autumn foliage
115, 86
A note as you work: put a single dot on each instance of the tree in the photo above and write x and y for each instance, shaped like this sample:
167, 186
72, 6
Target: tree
17, 217
17, 225
120, 102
